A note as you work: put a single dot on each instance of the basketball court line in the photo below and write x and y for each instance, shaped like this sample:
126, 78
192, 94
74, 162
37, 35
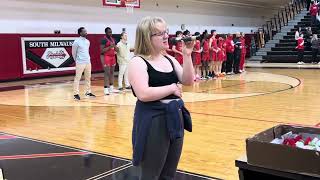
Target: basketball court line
107, 173
231, 116
68, 147
84, 152
46, 155
79, 152
5, 137
262, 94
236, 97
253, 119
234, 117
181, 172
198, 175
224, 87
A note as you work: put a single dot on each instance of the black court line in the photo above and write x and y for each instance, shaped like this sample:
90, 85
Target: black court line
90, 166
268, 93
234, 117
224, 87
294, 68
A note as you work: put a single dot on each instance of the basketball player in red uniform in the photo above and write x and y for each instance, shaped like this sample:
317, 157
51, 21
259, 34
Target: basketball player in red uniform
108, 59
196, 57
243, 52
177, 49
300, 49
220, 57
213, 46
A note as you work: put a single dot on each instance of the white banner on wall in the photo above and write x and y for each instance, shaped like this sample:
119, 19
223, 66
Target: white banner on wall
47, 54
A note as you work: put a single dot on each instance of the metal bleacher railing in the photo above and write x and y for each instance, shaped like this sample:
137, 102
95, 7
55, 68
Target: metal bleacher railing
267, 31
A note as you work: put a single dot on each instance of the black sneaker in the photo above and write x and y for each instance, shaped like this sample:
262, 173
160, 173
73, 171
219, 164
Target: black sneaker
128, 88
90, 95
76, 97
120, 89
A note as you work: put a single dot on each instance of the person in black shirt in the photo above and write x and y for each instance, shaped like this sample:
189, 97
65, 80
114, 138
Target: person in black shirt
237, 53
160, 115
308, 4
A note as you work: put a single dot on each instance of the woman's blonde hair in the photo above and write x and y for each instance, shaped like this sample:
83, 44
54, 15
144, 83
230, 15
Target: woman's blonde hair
144, 31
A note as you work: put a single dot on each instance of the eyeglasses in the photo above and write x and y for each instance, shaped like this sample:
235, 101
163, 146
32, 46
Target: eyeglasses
161, 33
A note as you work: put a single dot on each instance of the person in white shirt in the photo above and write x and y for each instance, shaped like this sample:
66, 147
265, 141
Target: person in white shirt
123, 57
297, 34
80, 54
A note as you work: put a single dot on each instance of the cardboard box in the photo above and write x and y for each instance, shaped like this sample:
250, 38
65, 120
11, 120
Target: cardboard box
260, 152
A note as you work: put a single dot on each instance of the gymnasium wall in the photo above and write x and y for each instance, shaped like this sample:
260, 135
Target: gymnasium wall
11, 61
43, 16
36, 18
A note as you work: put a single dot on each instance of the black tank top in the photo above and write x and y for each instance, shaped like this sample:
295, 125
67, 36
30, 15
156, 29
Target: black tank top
157, 78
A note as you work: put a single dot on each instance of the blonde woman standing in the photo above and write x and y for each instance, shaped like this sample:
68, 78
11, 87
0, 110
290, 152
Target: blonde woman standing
160, 116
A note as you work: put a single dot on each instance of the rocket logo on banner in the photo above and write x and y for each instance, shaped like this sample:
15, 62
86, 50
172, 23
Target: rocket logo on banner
55, 56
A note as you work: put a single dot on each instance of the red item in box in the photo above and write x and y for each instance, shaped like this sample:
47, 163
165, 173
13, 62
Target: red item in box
308, 140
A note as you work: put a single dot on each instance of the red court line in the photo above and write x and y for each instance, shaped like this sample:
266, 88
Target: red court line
33, 156
4, 137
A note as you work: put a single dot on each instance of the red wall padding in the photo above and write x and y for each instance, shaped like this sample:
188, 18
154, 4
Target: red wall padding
11, 55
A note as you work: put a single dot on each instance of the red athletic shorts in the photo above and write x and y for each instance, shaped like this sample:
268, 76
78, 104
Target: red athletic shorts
205, 56
196, 58
110, 60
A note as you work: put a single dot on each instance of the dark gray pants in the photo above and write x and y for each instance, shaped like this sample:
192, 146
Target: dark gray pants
314, 55
161, 155
300, 55
236, 62
229, 63
313, 20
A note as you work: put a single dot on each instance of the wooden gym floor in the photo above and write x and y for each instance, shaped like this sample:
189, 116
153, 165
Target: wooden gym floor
225, 112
